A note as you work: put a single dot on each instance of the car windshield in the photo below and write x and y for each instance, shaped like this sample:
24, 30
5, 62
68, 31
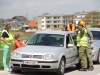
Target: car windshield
96, 35
46, 40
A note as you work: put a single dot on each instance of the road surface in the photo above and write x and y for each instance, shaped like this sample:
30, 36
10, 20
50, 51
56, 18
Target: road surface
69, 71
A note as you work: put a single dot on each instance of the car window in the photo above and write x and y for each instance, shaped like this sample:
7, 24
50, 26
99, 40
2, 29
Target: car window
96, 35
69, 39
47, 40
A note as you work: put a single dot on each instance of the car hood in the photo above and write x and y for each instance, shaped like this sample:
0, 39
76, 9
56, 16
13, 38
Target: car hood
39, 49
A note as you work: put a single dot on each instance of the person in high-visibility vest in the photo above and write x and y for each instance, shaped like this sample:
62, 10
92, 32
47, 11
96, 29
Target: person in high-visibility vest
70, 26
6, 41
89, 51
82, 44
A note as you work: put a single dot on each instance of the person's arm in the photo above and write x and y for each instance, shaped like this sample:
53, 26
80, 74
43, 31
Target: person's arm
4, 35
19, 44
81, 29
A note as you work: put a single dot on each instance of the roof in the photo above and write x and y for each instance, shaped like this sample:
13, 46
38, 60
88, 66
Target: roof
94, 29
32, 23
20, 18
53, 32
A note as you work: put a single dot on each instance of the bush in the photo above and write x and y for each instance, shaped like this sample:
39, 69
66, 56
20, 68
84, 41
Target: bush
22, 30
94, 25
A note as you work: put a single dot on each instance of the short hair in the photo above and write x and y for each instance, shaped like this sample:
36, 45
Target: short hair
7, 26
16, 36
70, 21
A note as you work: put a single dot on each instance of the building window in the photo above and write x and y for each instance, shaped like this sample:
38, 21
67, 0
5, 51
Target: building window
48, 26
58, 26
55, 21
48, 21
42, 21
42, 25
47, 17
55, 26
59, 21
55, 17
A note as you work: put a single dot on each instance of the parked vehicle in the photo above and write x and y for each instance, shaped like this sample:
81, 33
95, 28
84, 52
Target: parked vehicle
46, 50
96, 45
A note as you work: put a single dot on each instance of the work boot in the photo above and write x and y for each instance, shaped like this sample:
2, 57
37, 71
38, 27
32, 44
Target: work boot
83, 69
91, 68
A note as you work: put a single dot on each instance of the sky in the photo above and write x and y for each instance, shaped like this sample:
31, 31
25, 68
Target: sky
34, 8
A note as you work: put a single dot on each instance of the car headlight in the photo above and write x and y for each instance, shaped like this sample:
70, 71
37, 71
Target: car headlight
93, 48
48, 57
16, 55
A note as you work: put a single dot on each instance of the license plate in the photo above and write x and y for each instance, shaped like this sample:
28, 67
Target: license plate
30, 62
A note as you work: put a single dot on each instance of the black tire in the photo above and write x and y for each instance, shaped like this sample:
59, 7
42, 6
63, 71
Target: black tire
16, 71
61, 69
98, 58
78, 66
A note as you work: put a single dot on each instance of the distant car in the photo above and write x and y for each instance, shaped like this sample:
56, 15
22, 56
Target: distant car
46, 50
96, 45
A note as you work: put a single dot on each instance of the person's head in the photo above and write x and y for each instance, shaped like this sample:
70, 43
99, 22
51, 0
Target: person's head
16, 36
70, 22
82, 23
8, 27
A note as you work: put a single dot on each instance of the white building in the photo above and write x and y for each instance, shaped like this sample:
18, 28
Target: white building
79, 16
52, 21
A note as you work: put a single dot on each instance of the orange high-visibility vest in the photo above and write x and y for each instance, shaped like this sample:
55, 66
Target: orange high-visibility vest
69, 29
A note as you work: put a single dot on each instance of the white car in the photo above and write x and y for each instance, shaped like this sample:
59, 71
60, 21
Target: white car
96, 45
50, 51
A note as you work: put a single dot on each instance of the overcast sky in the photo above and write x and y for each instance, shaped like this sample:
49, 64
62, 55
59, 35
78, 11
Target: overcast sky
33, 8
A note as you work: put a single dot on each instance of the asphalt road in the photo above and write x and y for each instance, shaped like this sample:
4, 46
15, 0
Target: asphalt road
69, 71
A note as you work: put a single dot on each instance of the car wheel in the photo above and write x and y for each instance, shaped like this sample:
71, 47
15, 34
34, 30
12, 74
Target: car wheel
61, 68
16, 71
98, 58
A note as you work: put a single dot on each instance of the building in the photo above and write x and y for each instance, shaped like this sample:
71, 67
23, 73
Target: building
31, 27
50, 21
20, 18
68, 18
79, 16
53, 21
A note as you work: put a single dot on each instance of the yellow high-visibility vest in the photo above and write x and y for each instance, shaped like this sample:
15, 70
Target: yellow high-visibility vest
82, 41
9, 39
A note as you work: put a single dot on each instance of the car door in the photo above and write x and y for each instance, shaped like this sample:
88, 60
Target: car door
73, 50
67, 52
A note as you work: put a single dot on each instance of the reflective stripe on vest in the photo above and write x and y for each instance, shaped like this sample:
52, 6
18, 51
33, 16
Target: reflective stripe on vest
10, 39
69, 29
82, 41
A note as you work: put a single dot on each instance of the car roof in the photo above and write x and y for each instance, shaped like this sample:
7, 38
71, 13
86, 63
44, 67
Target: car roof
54, 32
94, 29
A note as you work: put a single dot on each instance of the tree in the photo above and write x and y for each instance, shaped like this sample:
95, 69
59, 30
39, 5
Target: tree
92, 17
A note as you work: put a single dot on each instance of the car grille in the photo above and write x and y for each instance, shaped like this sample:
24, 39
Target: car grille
32, 56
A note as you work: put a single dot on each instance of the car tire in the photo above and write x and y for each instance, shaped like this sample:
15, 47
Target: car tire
98, 58
61, 68
16, 71
78, 66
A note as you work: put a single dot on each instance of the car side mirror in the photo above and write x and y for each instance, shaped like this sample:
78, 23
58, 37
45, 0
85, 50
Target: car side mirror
70, 45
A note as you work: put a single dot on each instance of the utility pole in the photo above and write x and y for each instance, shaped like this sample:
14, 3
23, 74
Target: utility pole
27, 16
